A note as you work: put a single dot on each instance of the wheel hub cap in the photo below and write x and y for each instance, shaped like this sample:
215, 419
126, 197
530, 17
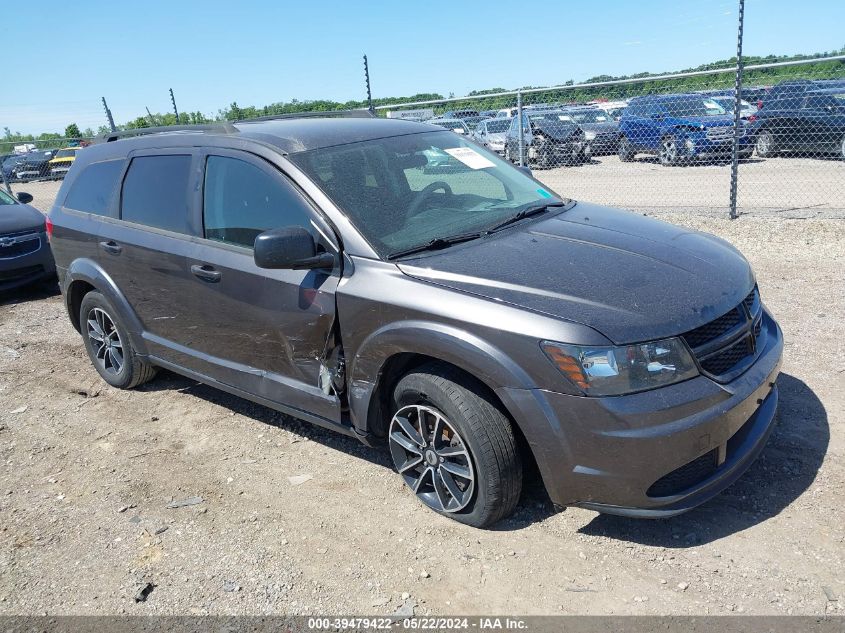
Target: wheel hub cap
432, 458
105, 340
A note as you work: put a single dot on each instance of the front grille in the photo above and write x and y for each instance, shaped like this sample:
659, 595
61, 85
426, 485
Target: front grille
22, 246
727, 359
20, 273
720, 133
738, 330
687, 476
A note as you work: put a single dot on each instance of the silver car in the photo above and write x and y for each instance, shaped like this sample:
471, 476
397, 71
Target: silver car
491, 134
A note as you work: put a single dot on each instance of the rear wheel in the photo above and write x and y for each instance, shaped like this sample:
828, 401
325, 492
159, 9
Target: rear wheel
626, 150
765, 144
108, 346
842, 148
453, 447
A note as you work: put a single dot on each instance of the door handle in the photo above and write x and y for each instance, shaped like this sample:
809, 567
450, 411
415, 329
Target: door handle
111, 247
206, 272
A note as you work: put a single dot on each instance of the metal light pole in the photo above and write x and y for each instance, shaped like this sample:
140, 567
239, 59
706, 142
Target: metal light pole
173, 101
737, 99
108, 115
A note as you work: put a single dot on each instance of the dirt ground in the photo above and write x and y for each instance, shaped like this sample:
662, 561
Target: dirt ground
87, 473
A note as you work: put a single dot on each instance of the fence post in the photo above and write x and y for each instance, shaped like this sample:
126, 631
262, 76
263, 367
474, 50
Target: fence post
737, 101
175, 110
108, 115
521, 131
369, 94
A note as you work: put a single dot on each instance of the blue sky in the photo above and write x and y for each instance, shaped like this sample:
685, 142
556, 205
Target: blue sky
256, 52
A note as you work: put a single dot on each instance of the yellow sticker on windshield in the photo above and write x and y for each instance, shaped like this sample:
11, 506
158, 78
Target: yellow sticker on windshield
469, 157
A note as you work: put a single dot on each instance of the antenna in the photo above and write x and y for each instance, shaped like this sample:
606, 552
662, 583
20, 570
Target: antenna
367, 79
173, 101
108, 115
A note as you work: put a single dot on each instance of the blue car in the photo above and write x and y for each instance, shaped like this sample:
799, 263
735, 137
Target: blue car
679, 129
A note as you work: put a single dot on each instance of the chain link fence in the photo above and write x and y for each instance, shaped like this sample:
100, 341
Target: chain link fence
668, 142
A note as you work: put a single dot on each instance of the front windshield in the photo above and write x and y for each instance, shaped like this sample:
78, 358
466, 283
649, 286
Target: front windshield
65, 153
5, 198
693, 106
497, 126
405, 191
589, 116
823, 101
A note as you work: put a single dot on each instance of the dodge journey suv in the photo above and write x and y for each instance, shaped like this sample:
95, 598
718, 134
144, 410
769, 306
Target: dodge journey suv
470, 319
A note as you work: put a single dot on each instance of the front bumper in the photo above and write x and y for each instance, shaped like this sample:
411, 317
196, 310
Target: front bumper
699, 146
31, 267
656, 453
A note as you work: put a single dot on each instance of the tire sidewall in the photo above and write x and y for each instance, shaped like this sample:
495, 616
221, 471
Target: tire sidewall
420, 389
92, 300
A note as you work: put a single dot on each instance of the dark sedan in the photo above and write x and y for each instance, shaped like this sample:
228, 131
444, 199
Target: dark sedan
9, 166
25, 255
814, 123
34, 165
601, 131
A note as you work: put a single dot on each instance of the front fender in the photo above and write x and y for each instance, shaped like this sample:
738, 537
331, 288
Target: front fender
87, 271
474, 355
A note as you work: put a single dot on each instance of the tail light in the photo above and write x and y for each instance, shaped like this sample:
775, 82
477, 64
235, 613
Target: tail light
752, 118
48, 226
759, 104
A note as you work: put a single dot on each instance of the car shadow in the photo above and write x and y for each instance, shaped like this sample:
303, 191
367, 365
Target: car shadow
724, 162
785, 469
169, 381
33, 292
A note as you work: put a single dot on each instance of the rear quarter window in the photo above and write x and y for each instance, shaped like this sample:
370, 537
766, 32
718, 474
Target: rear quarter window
155, 192
93, 189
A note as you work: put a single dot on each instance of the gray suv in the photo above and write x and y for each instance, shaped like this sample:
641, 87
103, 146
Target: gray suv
470, 319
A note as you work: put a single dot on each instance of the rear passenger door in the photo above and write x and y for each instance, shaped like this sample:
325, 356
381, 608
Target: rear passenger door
144, 250
262, 331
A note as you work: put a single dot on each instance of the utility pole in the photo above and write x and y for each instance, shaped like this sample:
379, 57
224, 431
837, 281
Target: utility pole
108, 116
737, 100
175, 110
367, 79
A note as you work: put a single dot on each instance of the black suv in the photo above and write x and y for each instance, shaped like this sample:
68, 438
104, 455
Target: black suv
469, 318
813, 122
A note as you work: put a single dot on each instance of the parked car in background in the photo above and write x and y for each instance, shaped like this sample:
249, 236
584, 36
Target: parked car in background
25, 255
10, 166
679, 129
506, 113
458, 114
746, 109
472, 121
455, 125
487, 114
613, 108
601, 131
550, 138
492, 133
797, 88
61, 162
814, 122
34, 165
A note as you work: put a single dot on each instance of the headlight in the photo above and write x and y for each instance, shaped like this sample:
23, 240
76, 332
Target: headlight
589, 135
611, 371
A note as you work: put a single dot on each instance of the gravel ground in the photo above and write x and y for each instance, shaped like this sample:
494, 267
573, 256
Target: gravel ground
293, 519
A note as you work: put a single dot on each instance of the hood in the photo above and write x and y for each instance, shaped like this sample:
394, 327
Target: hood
497, 137
600, 128
557, 130
19, 217
630, 277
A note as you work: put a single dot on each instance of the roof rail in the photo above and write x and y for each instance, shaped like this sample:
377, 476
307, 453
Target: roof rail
221, 128
344, 114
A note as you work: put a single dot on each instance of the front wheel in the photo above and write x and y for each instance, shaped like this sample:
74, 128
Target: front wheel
765, 144
454, 448
625, 150
669, 152
842, 148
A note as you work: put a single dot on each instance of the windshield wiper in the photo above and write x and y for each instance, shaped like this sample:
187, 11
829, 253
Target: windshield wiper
525, 213
437, 242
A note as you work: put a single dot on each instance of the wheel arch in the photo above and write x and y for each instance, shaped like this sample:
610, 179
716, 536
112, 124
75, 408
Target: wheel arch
85, 275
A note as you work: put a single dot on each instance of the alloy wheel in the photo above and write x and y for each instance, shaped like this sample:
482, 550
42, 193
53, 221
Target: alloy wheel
432, 458
764, 144
105, 340
668, 151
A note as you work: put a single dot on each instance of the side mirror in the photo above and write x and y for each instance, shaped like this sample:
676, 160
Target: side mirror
24, 198
290, 247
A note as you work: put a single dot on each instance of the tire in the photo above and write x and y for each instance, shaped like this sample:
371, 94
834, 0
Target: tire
108, 346
669, 153
625, 151
508, 156
765, 144
842, 148
481, 445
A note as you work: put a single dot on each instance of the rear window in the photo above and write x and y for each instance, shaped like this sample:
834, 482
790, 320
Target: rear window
91, 192
155, 192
